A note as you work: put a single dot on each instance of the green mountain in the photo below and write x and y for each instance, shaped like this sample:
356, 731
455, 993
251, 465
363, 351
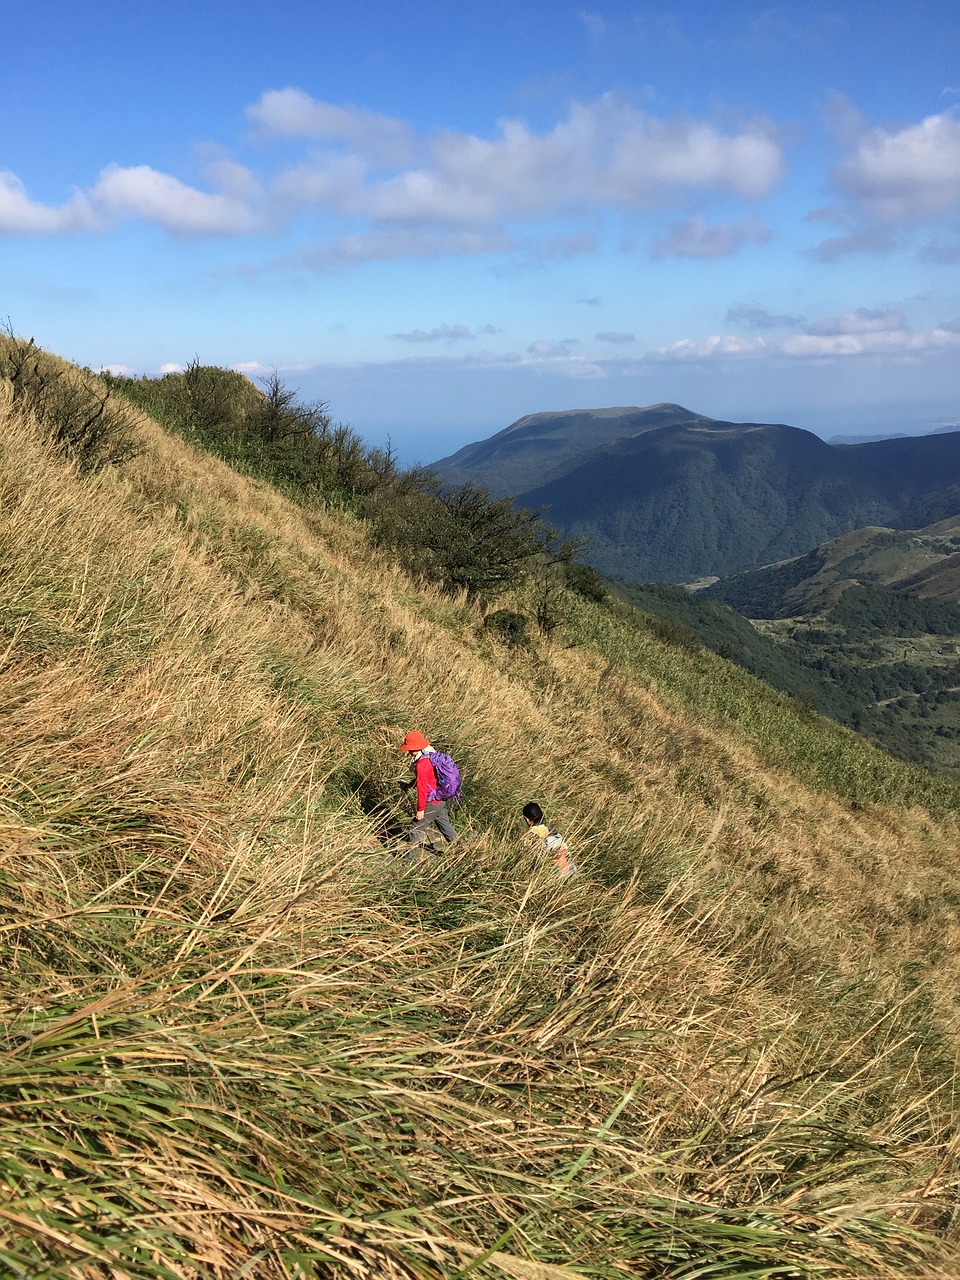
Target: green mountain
911, 562
665, 493
868, 627
544, 446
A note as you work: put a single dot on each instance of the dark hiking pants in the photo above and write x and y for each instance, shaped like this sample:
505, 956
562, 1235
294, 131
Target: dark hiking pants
434, 815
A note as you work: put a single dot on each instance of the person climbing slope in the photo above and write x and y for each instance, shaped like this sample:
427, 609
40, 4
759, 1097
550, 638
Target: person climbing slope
432, 793
552, 842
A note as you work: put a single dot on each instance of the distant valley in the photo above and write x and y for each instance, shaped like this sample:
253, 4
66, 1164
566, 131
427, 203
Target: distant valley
865, 628
665, 493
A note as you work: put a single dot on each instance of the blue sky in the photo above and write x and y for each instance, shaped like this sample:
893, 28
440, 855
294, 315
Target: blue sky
439, 217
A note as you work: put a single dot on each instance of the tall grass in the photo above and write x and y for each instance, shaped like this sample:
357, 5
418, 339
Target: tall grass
240, 1038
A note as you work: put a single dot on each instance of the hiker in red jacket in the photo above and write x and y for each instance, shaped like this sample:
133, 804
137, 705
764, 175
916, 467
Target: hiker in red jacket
430, 810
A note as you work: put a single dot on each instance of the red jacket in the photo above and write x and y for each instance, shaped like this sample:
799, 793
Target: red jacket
426, 783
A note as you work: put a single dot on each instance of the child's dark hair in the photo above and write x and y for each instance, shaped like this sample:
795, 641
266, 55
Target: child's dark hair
533, 812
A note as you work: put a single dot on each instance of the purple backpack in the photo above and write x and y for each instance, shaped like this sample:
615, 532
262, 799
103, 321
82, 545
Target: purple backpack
449, 781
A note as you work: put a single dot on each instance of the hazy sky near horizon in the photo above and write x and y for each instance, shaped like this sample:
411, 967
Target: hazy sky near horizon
439, 217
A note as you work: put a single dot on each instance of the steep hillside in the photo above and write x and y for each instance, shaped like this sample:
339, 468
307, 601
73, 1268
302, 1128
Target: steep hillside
242, 1039
662, 493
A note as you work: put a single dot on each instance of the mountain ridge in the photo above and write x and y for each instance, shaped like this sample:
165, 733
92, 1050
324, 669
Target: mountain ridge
664, 492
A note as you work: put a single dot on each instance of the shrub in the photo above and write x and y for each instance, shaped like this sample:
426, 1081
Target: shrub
459, 535
81, 417
508, 626
586, 581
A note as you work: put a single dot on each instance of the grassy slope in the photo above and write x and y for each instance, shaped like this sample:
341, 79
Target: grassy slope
240, 1040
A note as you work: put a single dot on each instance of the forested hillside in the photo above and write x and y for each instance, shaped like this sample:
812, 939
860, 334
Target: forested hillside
867, 627
665, 494
243, 1038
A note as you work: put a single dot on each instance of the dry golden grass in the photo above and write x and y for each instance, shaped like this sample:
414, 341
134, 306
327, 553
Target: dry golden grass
240, 1039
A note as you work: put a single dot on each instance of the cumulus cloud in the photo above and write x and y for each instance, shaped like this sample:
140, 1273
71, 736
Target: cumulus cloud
136, 192
877, 240
890, 179
697, 238
292, 113
903, 174
715, 346
609, 336
396, 194
604, 153
20, 214
156, 197
944, 250
859, 333
870, 342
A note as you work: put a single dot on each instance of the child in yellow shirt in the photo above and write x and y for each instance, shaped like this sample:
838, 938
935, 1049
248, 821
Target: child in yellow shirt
554, 845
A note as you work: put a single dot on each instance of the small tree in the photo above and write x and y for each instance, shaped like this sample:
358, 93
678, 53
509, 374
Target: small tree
458, 535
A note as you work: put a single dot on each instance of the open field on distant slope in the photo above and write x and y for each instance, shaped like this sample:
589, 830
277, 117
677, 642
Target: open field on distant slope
873, 618
240, 1039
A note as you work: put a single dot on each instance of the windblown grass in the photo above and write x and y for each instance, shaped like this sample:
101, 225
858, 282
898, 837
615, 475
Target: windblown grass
241, 1039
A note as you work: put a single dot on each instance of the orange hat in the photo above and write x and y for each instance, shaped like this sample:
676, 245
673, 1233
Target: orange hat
414, 742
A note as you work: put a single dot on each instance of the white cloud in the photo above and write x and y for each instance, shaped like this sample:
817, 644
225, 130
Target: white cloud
171, 368
21, 215
887, 342
595, 24
904, 174
859, 333
233, 179
156, 197
697, 238
292, 113
449, 193
137, 192
565, 366
716, 346
890, 179
605, 153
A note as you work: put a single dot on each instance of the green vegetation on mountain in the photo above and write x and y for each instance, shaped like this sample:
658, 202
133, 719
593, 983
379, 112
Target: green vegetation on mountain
663, 493
543, 446
869, 624
241, 1038
919, 563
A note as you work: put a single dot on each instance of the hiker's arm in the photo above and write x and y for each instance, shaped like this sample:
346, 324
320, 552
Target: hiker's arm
426, 782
